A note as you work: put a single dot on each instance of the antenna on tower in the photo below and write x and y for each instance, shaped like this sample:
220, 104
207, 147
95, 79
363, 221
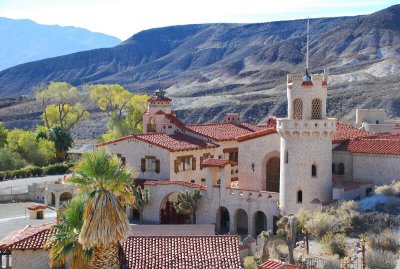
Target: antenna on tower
308, 41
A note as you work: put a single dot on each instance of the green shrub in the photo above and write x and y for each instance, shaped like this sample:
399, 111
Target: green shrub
375, 222
332, 264
10, 160
334, 244
379, 259
387, 240
320, 223
36, 170
55, 169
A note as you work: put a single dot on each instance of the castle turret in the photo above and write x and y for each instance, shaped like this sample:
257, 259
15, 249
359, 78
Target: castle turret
306, 144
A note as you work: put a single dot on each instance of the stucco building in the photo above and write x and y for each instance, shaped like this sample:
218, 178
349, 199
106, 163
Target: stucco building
251, 174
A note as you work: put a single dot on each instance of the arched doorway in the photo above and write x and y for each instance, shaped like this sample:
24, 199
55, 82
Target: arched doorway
242, 222
53, 199
168, 213
260, 222
273, 174
64, 197
223, 220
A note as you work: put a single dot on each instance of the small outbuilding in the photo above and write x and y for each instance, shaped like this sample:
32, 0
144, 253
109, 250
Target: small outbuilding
36, 211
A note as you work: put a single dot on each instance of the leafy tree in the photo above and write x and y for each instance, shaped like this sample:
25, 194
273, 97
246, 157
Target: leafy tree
3, 135
105, 223
188, 203
64, 244
124, 109
62, 141
61, 106
10, 160
142, 198
288, 230
35, 151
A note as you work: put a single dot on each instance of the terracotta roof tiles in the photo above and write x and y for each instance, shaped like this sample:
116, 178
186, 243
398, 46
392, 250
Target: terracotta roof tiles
257, 134
224, 131
217, 163
37, 207
273, 264
175, 142
345, 132
381, 146
156, 252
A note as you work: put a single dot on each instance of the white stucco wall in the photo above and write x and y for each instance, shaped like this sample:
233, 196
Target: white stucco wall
379, 169
257, 151
29, 259
134, 150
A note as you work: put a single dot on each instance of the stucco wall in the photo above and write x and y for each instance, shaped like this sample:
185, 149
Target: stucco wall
257, 151
28, 259
134, 151
380, 169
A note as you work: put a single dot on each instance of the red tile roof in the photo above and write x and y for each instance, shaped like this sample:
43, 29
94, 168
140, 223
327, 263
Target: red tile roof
176, 142
273, 264
172, 182
157, 252
371, 146
224, 131
217, 163
18, 237
37, 207
159, 100
256, 134
345, 132
337, 182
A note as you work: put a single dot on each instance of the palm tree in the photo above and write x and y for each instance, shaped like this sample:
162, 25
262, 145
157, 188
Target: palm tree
142, 198
64, 244
62, 141
188, 203
105, 223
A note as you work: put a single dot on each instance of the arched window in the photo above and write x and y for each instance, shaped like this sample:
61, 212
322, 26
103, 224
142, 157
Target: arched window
377, 122
316, 109
300, 197
151, 127
297, 109
333, 168
341, 169
314, 170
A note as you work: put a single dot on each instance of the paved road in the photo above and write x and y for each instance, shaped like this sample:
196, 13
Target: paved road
21, 185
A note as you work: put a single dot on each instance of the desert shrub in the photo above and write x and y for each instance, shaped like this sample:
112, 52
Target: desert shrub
375, 222
332, 264
320, 223
379, 259
302, 217
391, 189
387, 240
250, 263
334, 244
10, 160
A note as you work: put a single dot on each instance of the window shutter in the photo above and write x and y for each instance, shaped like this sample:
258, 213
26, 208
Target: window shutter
193, 163
143, 165
176, 166
157, 166
201, 163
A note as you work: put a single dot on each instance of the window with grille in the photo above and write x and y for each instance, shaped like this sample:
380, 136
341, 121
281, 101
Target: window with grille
316, 109
297, 109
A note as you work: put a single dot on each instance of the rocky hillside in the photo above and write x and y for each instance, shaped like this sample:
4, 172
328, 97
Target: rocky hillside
212, 69
23, 41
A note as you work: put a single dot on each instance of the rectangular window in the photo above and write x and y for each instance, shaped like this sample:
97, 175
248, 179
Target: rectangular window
233, 156
184, 163
150, 164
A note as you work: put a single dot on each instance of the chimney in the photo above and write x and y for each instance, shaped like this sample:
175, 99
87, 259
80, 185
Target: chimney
232, 118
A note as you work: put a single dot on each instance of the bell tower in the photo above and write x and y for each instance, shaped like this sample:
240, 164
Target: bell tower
306, 143
158, 106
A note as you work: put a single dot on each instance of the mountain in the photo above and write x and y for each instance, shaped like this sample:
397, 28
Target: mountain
212, 69
24, 41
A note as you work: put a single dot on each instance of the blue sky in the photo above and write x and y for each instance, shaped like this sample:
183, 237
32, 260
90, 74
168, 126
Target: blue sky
123, 18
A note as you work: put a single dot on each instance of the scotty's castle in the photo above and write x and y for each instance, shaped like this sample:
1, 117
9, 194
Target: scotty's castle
251, 174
